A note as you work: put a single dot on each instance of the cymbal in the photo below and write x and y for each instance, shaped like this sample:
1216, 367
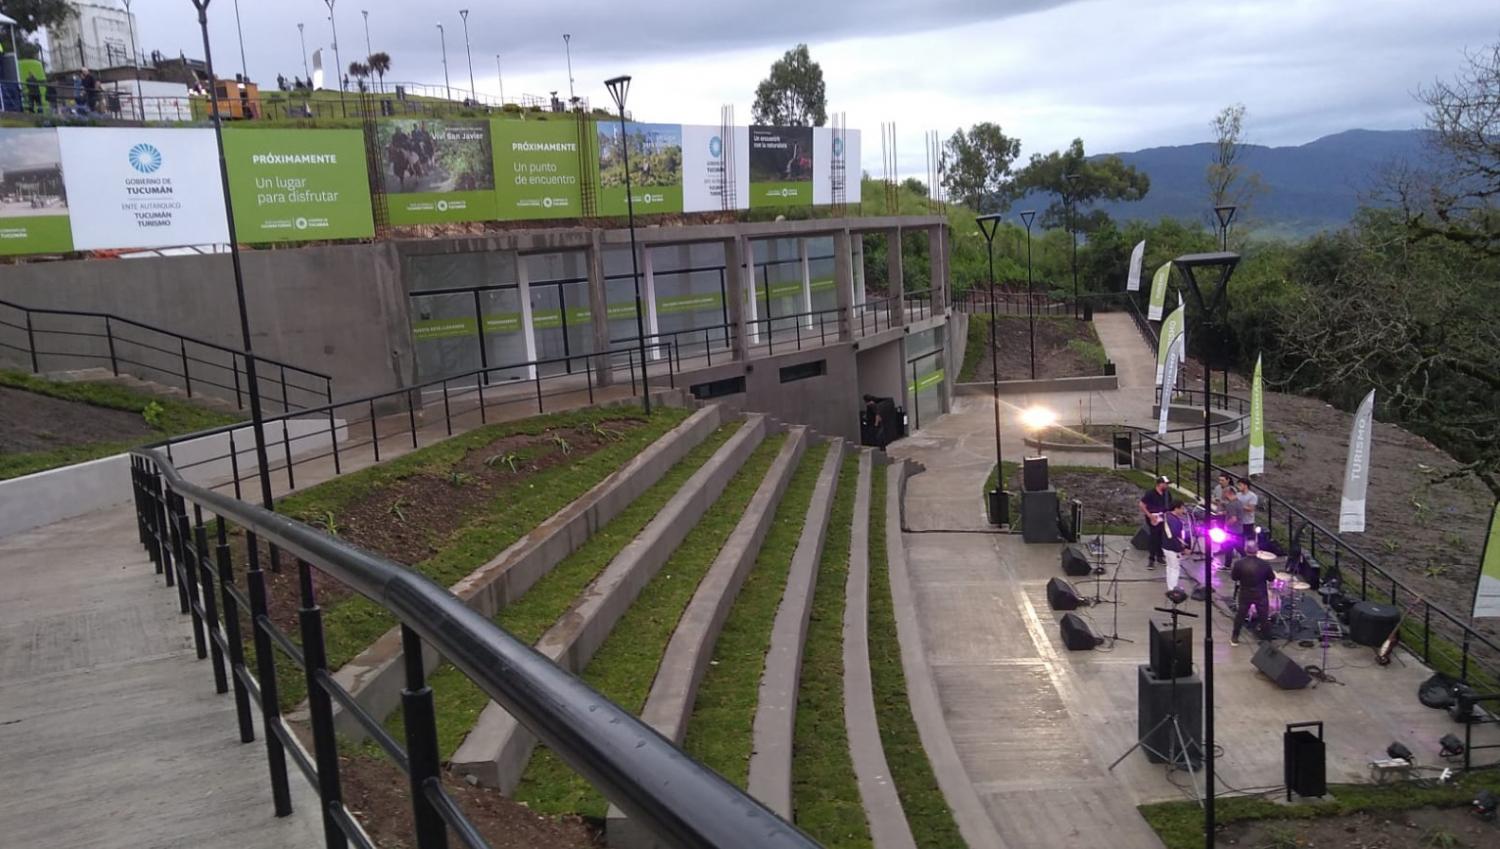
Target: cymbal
1266, 555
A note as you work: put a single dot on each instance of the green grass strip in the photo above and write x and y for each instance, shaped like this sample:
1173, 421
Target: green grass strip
626, 664
458, 701
922, 800
170, 417
825, 795
721, 730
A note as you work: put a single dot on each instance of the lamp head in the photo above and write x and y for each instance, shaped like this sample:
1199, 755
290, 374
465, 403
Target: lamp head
1225, 215
1036, 418
989, 225
1027, 216
619, 89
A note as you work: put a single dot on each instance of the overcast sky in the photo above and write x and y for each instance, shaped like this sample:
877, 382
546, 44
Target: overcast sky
1121, 74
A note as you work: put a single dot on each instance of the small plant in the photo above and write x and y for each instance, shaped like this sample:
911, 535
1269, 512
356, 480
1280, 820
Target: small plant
458, 479
1440, 839
153, 414
510, 459
1390, 545
1435, 570
328, 523
1453, 540
605, 433
395, 509
1279, 837
562, 444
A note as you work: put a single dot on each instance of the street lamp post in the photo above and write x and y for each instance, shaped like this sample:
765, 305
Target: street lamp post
473, 92
619, 89
1225, 214
135, 60
368, 49
240, 30
568, 49
302, 38
338, 63
1072, 180
1208, 308
443, 37
999, 502
1026, 218
500, 75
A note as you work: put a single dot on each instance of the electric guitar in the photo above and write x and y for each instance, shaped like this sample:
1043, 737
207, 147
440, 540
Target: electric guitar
1383, 654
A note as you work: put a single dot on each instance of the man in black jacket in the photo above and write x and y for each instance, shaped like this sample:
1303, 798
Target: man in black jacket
1252, 575
1154, 504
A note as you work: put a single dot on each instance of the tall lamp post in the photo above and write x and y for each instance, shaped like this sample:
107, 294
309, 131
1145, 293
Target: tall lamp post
240, 30
619, 89
473, 92
1224, 262
443, 37
303, 40
500, 75
1026, 218
999, 500
1225, 214
368, 49
1072, 180
135, 59
568, 49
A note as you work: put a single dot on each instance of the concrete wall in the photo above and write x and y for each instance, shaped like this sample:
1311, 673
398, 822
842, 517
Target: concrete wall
880, 370
829, 404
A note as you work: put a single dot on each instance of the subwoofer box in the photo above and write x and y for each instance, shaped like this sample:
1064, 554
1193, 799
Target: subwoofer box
1039, 516
1075, 561
1371, 623
1156, 697
1034, 474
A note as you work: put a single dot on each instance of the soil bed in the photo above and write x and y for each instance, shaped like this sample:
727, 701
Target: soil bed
1094, 435
1417, 829
1055, 357
32, 422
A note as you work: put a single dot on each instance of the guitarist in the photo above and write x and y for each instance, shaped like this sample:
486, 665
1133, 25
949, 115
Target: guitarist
1154, 504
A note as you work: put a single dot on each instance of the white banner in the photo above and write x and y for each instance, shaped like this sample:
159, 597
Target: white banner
1137, 256
706, 155
1357, 468
1257, 464
142, 187
835, 165
317, 69
1159, 282
1175, 351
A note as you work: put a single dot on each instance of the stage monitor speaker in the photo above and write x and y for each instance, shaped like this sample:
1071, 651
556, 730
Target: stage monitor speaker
1157, 697
1039, 516
1034, 474
1075, 561
1282, 670
1061, 595
1305, 762
1371, 623
1076, 635
1171, 651
1142, 540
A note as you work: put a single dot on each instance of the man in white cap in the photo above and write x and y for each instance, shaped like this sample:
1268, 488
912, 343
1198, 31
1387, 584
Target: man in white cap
1154, 504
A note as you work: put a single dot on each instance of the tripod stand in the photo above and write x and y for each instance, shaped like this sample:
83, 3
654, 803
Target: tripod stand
1181, 752
1114, 592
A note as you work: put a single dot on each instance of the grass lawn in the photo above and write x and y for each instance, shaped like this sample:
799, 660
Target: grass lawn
720, 732
169, 417
625, 666
825, 795
922, 800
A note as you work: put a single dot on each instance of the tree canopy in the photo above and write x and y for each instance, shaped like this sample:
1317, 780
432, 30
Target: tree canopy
793, 94
32, 15
978, 165
1460, 204
1228, 182
1076, 180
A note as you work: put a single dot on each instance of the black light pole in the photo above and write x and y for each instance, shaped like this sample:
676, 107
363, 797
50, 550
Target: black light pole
999, 502
240, 31
256, 425
443, 38
1026, 218
1225, 214
369, 51
301, 38
473, 92
568, 49
338, 63
1072, 180
619, 89
1225, 262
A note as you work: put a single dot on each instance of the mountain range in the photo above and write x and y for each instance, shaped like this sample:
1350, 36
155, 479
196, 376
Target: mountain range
1305, 188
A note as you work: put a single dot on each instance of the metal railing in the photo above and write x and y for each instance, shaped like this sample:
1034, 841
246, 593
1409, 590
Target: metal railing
51, 340
678, 799
977, 300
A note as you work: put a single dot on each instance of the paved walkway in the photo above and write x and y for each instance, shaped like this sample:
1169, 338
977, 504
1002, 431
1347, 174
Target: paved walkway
111, 731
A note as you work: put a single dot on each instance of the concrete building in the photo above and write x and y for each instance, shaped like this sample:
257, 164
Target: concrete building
96, 36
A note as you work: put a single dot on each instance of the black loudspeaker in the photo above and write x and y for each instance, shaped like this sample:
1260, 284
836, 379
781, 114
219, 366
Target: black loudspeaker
1171, 651
1305, 763
1039, 516
1034, 474
1076, 635
1075, 561
1282, 670
1061, 595
1156, 698
1142, 540
1371, 623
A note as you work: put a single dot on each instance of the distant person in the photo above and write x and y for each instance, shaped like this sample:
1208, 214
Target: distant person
37, 91
1155, 503
90, 85
1231, 516
1251, 576
1248, 502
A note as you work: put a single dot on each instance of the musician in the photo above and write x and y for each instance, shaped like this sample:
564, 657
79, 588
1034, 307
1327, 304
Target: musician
1252, 575
1174, 543
1248, 501
1155, 503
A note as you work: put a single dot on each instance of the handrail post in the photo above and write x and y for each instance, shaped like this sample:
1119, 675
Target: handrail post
320, 708
187, 380
31, 344
109, 336
232, 633
234, 465
210, 602
333, 428
447, 411
411, 417
538, 379
374, 432
421, 743
187, 578
265, 673
286, 407
163, 531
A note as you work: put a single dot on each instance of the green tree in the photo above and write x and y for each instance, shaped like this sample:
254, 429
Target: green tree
1076, 180
1228, 182
793, 94
32, 15
978, 164
1460, 202
380, 65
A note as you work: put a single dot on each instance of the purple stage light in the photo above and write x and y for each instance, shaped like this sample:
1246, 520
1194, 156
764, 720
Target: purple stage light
1218, 535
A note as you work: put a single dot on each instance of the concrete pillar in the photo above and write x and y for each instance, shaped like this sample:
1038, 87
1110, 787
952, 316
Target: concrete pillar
734, 295
859, 269
752, 300
938, 247
807, 301
648, 297
896, 284
843, 282
528, 326
598, 306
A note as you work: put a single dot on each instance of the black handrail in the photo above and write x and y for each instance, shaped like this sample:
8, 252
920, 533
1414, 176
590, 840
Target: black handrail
678, 799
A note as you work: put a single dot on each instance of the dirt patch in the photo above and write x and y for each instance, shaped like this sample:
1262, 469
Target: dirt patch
32, 422
379, 795
1093, 434
1109, 498
1054, 356
1422, 828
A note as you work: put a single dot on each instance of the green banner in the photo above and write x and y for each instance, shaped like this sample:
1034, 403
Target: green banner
655, 154
538, 164
926, 381
1487, 594
298, 185
781, 166
1173, 327
1257, 464
33, 201
1159, 282
688, 303
434, 171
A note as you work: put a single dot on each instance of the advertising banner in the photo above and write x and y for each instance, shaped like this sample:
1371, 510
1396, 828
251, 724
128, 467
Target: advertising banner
33, 202
1159, 282
1174, 326
1176, 349
1357, 468
1487, 594
707, 160
1257, 423
434, 171
298, 185
538, 169
835, 166
781, 166
655, 167
146, 187
1137, 256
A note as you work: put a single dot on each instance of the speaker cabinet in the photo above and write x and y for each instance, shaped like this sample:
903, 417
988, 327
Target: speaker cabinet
1039, 516
1076, 634
1075, 561
1282, 670
1159, 697
1142, 540
1304, 761
1171, 651
1034, 474
1371, 623
1061, 595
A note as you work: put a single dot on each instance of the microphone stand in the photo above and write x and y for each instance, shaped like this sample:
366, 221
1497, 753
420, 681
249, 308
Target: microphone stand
1114, 589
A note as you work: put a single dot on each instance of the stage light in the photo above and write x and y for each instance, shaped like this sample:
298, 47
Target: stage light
1218, 535
1450, 746
1485, 803
1037, 417
1399, 752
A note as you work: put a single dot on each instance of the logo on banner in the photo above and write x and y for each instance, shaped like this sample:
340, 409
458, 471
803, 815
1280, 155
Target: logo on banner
301, 223
442, 206
715, 147
145, 158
